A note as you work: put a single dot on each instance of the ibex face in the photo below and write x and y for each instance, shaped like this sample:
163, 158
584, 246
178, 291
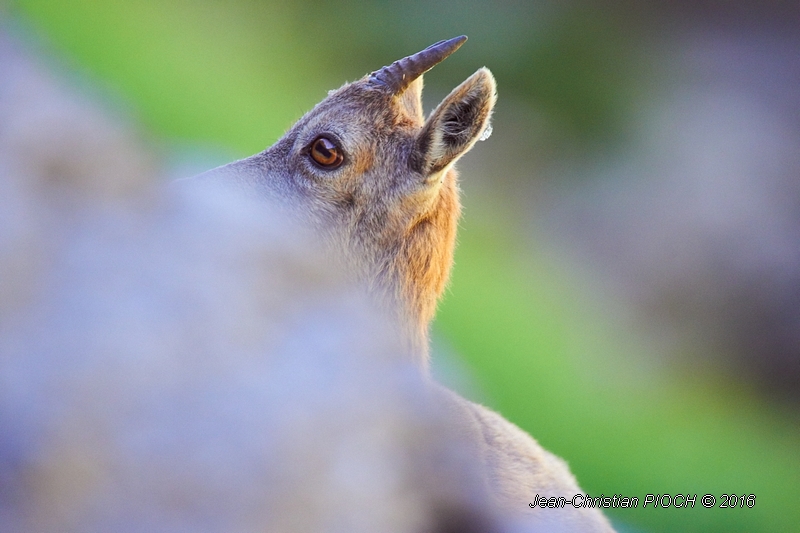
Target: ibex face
377, 178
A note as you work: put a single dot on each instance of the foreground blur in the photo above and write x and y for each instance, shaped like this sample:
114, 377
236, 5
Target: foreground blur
183, 360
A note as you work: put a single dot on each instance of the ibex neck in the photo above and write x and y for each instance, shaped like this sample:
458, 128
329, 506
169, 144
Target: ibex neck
424, 261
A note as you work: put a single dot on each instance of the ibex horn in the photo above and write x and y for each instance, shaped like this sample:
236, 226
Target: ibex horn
399, 75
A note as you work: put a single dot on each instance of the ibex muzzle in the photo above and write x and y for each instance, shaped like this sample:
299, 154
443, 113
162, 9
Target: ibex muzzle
376, 177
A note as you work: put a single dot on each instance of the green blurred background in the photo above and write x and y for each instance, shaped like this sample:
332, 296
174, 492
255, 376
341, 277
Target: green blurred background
525, 327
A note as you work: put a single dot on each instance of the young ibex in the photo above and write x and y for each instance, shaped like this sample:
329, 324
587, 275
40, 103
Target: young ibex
144, 384
376, 178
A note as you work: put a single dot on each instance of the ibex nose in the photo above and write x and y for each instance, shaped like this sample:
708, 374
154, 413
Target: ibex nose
399, 75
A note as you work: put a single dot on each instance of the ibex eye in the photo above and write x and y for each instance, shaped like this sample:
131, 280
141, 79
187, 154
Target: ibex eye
326, 154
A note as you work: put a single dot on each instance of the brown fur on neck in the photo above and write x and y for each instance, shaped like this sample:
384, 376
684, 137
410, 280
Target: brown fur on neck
425, 258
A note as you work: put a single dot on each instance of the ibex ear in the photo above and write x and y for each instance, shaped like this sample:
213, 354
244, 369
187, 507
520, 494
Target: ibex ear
457, 123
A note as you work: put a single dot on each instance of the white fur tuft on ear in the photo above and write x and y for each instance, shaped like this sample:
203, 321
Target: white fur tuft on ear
457, 123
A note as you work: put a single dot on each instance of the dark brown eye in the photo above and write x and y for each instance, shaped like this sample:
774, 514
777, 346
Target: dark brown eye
326, 154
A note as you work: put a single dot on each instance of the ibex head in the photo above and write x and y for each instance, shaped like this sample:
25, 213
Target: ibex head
377, 177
